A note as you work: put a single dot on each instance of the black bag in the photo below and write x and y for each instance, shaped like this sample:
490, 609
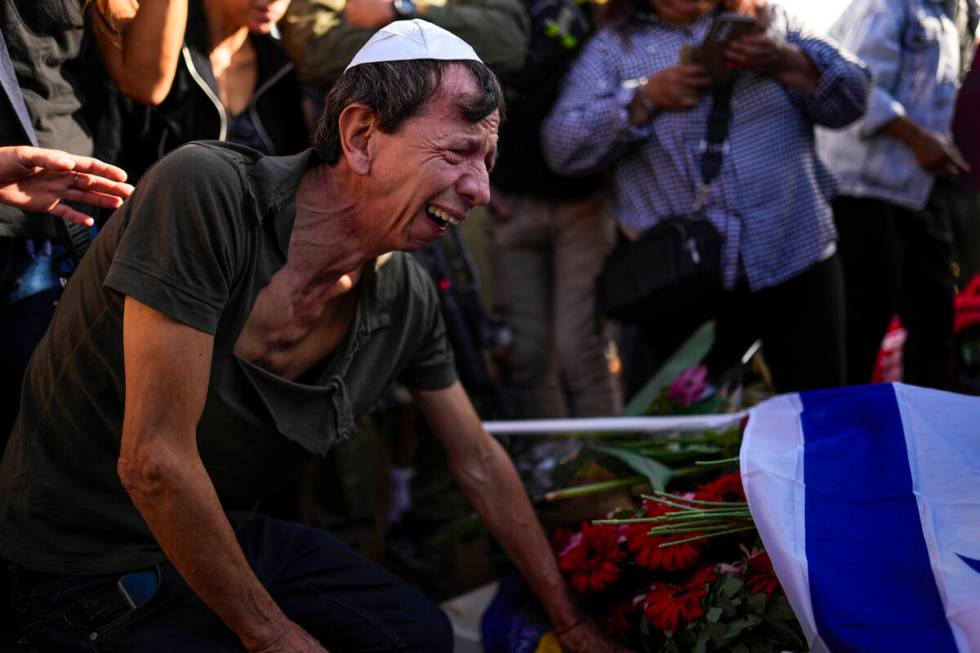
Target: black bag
675, 266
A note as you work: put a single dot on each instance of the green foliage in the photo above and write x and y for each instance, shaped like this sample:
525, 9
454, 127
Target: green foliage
658, 473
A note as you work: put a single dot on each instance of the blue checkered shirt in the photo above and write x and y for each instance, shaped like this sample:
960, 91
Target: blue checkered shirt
771, 199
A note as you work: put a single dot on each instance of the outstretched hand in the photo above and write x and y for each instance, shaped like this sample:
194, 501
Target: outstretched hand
38, 179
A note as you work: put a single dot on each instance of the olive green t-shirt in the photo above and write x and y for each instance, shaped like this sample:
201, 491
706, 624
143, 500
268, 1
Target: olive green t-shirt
204, 232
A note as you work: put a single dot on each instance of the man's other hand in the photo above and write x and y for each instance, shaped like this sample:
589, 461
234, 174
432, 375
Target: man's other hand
586, 638
38, 179
369, 14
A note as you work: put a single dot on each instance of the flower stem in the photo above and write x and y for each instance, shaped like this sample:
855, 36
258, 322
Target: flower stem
722, 461
699, 502
700, 515
701, 528
740, 529
594, 488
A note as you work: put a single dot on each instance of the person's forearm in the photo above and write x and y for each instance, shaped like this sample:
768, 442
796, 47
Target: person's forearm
144, 60
496, 492
904, 129
176, 498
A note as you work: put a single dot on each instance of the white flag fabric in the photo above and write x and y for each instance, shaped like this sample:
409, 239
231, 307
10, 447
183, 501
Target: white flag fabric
868, 502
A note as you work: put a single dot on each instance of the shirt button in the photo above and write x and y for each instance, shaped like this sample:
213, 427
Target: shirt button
93, 636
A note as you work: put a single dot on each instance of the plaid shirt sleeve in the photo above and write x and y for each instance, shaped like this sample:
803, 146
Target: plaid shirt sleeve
842, 94
588, 126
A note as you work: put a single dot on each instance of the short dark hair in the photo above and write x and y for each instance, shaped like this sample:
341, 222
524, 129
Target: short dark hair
396, 90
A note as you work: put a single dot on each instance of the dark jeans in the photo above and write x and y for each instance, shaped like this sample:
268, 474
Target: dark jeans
29, 291
898, 261
800, 323
347, 602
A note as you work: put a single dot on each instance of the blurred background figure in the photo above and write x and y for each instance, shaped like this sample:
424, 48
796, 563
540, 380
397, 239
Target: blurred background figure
896, 170
966, 199
550, 236
234, 82
323, 35
629, 107
53, 50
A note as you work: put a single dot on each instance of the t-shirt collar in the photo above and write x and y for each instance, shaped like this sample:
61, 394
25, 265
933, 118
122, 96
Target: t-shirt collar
274, 181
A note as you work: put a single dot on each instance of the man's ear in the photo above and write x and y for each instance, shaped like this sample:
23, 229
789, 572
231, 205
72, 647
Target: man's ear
358, 126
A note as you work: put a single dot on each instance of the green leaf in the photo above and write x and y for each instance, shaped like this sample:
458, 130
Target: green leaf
701, 646
757, 602
735, 628
714, 614
657, 473
730, 586
687, 356
717, 634
780, 610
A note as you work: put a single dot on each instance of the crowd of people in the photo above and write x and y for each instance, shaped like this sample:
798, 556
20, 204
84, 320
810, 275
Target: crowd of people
216, 196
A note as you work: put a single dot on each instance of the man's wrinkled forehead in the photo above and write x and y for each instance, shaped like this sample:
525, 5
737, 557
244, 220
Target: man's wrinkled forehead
459, 95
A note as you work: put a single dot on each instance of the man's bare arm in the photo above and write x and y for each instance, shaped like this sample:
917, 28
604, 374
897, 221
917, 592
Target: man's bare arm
487, 476
140, 44
167, 366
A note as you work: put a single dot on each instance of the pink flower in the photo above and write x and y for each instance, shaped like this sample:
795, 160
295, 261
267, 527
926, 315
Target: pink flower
689, 386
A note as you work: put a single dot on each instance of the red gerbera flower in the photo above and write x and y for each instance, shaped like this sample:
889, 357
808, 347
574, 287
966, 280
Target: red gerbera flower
667, 605
646, 548
759, 574
590, 558
727, 487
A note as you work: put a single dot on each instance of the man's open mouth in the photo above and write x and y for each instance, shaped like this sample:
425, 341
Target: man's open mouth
440, 217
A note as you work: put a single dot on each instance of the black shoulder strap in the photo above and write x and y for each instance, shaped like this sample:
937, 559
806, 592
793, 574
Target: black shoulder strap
719, 120
77, 238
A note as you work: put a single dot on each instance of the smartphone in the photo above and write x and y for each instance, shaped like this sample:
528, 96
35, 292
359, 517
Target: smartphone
138, 587
726, 28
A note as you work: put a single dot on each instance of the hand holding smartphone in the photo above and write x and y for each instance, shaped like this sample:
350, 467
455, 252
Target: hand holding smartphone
727, 28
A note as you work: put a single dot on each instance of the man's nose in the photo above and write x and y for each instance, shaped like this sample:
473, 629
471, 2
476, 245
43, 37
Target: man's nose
474, 187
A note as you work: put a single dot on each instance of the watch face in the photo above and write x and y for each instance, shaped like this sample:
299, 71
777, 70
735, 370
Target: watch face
404, 8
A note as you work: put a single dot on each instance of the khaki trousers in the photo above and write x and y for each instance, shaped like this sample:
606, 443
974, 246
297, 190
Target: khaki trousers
546, 257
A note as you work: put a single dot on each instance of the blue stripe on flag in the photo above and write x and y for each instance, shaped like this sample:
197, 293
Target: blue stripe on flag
871, 585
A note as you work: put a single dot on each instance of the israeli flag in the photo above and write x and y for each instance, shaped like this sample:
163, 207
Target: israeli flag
868, 502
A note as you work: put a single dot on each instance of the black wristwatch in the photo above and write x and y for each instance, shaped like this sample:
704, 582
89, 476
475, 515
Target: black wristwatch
404, 9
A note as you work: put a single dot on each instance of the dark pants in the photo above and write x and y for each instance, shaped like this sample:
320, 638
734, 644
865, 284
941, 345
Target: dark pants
29, 290
800, 323
345, 601
898, 261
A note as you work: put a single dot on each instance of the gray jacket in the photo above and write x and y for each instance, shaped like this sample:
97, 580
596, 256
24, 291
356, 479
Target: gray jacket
918, 51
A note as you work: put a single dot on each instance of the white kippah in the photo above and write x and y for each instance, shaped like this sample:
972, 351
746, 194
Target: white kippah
403, 40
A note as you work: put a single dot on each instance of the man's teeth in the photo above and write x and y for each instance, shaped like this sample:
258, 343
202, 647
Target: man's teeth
442, 215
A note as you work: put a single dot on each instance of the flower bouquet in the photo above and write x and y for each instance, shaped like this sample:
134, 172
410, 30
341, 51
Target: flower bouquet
667, 571
681, 572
